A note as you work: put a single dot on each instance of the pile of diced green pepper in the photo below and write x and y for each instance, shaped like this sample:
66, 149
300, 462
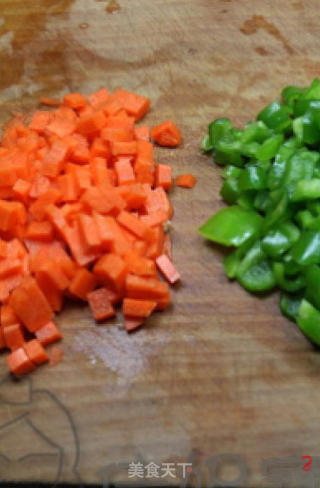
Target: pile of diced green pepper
272, 183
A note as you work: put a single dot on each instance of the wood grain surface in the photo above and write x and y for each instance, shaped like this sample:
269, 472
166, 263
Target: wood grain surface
222, 371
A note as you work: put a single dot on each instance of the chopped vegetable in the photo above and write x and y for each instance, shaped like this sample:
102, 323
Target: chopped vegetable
84, 208
186, 181
272, 182
166, 134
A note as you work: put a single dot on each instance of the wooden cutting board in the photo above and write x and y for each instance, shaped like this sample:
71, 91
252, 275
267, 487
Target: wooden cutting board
222, 371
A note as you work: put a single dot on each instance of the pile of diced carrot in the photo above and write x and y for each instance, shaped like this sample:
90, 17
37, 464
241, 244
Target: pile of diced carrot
82, 211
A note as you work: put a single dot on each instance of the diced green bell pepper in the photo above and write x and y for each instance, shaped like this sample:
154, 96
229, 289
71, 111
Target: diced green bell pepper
309, 321
232, 226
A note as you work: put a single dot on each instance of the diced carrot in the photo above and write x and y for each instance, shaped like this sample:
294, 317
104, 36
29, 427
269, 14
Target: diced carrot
7, 316
51, 272
75, 100
134, 225
164, 176
39, 231
82, 177
40, 185
21, 189
145, 288
156, 218
10, 266
167, 268
157, 200
40, 120
76, 246
19, 363
91, 124
82, 204
53, 295
102, 202
111, 270
100, 148
156, 246
35, 352
134, 104
139, 265
112, 107
54, 159
123, 148
142, 133
100, 306
61, 126
48, 334
12, 213
138, 308
89, 233
133, 323
100, 173
38, 209
124, 171
30, 304
186, 181
13, 336
166, 134
69, 187
82, 283
113, 296
96, 99
116, 134
119, 242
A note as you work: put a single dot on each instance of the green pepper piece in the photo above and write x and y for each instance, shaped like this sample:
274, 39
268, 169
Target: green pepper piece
313, 285
262, 201
314, 207
313, 92
291, 268
255, 132
276, 117
290, 94
230, 190
304, 219
218, 129
278, 213
252, 178
314, 224
280, 239
306, 128
306, 250
290, 304
306, 190
300, 166
253, 256
303, 106
308, 321
246, 200
269, 148
296, 284
258, 277
232, 226
233, 260
228, 151
206, 145
250, 149
278, 169
231, 171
